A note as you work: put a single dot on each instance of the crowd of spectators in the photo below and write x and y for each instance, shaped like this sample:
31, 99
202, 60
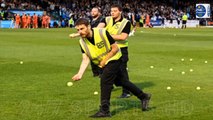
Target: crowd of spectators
65, 9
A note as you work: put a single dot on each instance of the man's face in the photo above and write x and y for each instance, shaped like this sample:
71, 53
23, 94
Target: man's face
83, 30
94, 12
115, 13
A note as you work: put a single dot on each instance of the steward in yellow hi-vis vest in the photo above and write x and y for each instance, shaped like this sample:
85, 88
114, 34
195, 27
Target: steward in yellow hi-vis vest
119, 28
115, 29
184, 20
98, 51
99, 46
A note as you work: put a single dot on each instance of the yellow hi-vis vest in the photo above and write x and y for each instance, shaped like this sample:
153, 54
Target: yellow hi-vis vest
141, 20
185, 17
116, 29
102, 47
71, 21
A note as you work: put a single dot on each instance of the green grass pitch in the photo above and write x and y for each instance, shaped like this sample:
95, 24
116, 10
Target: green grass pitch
37, 89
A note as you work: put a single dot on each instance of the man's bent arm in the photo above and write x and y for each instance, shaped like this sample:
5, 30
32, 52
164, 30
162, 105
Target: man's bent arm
85, 62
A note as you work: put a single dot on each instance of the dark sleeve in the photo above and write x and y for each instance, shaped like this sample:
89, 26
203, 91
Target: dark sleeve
127, 28
111, 40
103, 20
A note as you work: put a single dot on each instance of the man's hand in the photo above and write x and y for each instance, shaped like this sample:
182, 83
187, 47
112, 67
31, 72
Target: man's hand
102, 64
76, 77
73, 35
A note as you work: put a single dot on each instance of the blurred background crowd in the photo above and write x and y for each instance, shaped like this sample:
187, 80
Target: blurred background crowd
64, 10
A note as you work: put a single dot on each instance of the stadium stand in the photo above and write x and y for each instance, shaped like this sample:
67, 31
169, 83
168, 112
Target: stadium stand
62, 10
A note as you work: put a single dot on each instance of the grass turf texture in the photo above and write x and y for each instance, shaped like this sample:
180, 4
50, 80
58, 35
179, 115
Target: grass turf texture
36, 89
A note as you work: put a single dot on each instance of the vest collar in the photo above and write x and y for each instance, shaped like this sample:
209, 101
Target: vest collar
91, 40
118, 20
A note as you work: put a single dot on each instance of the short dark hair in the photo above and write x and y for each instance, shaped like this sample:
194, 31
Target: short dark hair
81, 21
117, 6
99, 9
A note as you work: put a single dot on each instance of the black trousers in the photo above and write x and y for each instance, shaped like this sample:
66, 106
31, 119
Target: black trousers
95, 69
125, 59
113, 73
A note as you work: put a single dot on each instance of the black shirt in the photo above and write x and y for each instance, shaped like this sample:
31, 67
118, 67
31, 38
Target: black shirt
94, 23
111, 40
126, 28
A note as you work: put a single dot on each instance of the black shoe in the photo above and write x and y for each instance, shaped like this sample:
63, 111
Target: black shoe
145, 102
100, 114
125, 95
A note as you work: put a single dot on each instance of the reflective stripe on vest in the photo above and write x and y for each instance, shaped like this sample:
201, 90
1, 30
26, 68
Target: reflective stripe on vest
108, 20
112, 30
102, 37
88, 51
122, 43
86, 48
101, 55
124, 22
